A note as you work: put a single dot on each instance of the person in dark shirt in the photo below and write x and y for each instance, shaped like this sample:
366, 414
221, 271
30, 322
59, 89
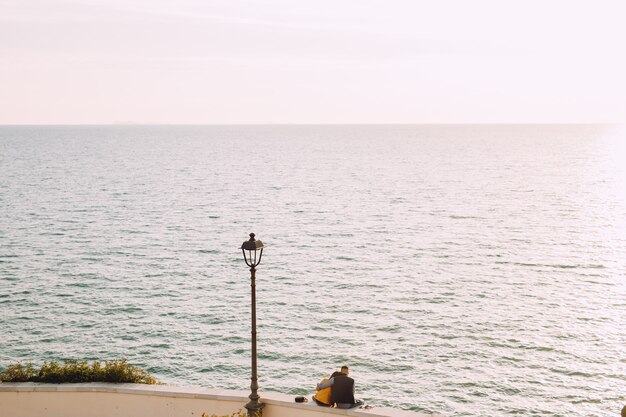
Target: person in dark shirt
342, 392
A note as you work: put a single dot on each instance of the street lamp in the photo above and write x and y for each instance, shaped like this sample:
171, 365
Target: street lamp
253, 246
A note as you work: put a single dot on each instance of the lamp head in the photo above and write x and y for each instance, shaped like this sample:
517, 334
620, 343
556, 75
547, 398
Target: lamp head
252, 246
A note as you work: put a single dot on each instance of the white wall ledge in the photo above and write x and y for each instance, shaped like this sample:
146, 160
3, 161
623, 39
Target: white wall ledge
118, 400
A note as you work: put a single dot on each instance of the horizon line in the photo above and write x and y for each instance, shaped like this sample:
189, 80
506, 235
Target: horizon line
128, 124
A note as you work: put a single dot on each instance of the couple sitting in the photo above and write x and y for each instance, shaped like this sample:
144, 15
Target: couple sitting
338, 391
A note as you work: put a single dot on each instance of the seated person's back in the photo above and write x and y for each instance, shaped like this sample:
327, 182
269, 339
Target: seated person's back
322, 397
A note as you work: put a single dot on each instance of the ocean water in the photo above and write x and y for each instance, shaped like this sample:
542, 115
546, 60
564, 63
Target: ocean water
463, 270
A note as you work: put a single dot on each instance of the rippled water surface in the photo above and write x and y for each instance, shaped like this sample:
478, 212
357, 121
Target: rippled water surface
464, 270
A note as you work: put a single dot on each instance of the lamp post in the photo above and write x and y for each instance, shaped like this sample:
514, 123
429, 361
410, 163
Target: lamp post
253, 246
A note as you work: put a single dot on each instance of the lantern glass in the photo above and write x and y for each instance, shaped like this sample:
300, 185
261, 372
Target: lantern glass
252, 246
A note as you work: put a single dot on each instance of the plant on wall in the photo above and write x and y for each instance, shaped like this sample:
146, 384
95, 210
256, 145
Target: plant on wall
74, 371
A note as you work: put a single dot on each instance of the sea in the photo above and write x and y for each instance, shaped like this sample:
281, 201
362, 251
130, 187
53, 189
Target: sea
465, 270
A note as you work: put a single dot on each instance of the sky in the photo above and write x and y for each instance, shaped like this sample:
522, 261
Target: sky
312, 61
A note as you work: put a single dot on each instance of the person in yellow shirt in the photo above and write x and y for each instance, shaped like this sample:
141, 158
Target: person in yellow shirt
322, 397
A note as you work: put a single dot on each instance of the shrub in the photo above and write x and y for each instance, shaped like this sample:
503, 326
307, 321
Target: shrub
18, 373
239, 413
75, 371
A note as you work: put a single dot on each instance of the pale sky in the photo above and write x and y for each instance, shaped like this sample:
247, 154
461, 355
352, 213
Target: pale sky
312, 61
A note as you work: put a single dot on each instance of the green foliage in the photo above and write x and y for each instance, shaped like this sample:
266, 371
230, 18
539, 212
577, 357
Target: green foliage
18, 373
239, 413
75, 371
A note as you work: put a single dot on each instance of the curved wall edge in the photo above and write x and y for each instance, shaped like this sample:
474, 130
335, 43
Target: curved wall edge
135, 400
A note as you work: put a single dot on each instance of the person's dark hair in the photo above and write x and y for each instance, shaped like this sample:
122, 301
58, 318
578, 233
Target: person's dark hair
624, 411
344, 367
334, 374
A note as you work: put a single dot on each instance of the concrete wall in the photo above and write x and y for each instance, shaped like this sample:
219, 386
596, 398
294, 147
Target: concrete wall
135, 400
